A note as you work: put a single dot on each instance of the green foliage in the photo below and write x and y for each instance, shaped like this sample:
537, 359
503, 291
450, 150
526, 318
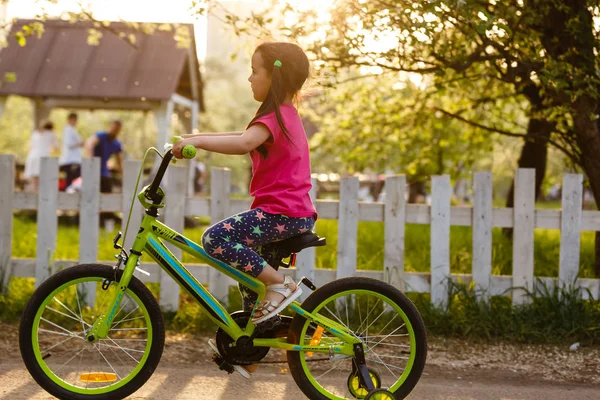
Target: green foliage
374, 124
553, 315
500, 61
35, 28
13, 302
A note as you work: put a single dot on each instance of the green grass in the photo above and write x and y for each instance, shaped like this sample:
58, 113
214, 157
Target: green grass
417, 249
552, 315
369, 247
547, 318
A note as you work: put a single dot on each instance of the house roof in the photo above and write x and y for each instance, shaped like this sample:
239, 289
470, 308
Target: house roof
61, 64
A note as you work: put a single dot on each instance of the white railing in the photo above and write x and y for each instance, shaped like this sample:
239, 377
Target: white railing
395, 213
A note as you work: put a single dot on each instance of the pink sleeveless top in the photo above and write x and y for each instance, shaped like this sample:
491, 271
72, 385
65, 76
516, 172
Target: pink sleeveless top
281, 182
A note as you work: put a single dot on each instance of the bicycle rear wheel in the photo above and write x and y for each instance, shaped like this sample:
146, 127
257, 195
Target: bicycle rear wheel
386, 322
60, 313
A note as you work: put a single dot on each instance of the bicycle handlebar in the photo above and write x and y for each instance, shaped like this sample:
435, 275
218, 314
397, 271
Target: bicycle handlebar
188, 152
151, 193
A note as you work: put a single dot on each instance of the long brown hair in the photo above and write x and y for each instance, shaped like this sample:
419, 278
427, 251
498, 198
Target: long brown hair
285, 79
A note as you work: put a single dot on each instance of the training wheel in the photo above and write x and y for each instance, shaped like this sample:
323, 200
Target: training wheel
360, 392
380, 394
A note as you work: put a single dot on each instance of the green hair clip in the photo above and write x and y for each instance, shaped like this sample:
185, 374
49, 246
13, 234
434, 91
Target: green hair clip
277, 63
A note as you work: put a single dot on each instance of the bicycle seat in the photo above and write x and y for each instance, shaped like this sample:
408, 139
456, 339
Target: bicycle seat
301, 241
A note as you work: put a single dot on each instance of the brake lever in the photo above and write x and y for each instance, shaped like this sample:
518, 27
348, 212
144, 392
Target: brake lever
168, 147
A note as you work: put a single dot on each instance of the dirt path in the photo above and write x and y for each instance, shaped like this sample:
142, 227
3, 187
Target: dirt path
455, 370
203, 381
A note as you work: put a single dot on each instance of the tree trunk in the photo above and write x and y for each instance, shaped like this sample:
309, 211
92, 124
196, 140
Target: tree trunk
534, 154
415, 189
588, 140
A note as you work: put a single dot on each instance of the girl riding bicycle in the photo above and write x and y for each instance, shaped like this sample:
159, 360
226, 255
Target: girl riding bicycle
96, 332
281, 181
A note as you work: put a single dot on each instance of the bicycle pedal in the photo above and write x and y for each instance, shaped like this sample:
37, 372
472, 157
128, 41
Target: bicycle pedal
223, 364
308, 283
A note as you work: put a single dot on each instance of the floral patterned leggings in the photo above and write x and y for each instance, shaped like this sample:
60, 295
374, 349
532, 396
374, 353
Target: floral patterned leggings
246, 242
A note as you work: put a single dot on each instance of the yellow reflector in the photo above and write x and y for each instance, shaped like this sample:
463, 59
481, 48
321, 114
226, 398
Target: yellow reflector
316, 339
98, 377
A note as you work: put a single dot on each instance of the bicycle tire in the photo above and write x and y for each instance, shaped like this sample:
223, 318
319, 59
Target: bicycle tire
61, 279
349, 285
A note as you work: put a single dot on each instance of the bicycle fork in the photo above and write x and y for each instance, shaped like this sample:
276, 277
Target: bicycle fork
101, 326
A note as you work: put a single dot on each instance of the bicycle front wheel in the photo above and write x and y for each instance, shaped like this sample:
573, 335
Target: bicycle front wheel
382, 318
60, 314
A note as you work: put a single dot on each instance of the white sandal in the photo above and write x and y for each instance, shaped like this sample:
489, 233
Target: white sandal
272, 308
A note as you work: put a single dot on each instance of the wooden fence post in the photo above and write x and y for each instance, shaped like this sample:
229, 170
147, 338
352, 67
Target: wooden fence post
89, 219
523, 233
7, 183
305, 262
482, 232
220, 182
570, 228
347, 227
394, 225
174, 218
441, 192
47, 221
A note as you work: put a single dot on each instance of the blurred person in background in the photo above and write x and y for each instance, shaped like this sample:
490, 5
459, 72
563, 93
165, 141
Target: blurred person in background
70, 157
43, 143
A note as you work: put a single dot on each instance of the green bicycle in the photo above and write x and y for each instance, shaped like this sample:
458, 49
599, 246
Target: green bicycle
96, 332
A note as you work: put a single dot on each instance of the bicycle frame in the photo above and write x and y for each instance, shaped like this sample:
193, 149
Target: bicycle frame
148, 239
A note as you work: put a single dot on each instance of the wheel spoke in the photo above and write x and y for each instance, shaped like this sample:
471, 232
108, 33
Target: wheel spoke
381, 361
393, 344
59, 327
121, 348
347, 319
331, 369
125, 351
65, 307
340, 321
130, 319
59, 343
129, 329
109, 364
68, 316
388, 366
118, 358
394, 331
388, 356
65, 363
368, 313
375, 320
386, 325
79, 307
123, 304
59, 333
399, 335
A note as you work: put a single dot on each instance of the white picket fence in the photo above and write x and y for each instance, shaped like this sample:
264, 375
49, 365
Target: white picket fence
395, 214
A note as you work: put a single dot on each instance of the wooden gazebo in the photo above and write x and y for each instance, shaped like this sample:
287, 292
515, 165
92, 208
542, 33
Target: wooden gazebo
60, 69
